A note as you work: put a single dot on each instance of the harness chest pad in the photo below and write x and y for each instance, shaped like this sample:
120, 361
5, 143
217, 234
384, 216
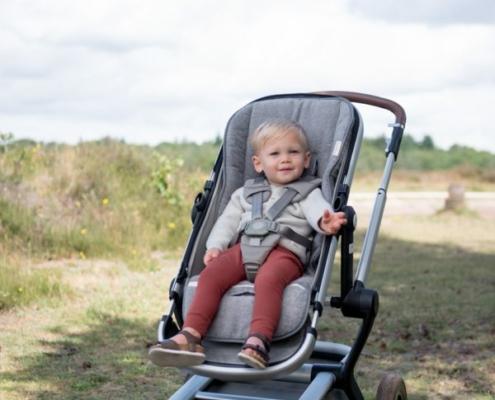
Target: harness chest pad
262, 233
260, 227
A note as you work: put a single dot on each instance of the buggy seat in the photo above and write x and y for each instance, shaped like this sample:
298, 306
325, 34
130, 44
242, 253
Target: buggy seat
329, 123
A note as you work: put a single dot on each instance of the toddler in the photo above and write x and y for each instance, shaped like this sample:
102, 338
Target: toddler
281, 155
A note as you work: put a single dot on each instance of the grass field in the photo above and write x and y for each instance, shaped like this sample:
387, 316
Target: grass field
435, 276
90, 236
437, 315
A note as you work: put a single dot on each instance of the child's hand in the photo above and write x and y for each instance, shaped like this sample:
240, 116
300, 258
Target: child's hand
331, 222
210, 255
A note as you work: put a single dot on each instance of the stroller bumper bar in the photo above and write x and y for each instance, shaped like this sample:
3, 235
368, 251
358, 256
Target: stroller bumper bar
302, 374
229, 373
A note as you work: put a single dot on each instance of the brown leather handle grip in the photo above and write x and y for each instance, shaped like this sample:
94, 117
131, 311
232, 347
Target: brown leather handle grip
395, 108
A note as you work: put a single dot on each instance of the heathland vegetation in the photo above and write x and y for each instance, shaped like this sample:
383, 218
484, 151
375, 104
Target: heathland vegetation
115, 200
91, 235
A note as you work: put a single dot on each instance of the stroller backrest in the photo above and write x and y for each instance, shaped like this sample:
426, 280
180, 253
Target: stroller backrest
328, 122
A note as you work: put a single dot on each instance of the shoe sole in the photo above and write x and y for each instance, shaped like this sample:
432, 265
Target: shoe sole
251, 361
175, 358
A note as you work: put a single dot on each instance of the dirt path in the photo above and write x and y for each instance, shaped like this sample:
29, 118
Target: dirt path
422, 203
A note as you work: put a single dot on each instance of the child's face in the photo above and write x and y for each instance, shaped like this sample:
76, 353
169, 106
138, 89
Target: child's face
282, 159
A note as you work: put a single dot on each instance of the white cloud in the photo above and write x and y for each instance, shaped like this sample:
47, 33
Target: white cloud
426, 11
151, 71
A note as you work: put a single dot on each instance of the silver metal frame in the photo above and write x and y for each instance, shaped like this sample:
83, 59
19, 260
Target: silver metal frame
375, 221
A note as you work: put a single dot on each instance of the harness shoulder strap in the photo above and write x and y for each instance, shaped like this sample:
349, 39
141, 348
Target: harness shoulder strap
254, 186
256, 191
294, 192
281, 203
305, 185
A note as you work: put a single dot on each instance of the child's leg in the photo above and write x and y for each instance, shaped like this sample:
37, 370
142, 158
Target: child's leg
280, 268
184, 349
220, 275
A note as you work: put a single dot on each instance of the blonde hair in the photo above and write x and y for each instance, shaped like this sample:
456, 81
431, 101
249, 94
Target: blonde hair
277, 129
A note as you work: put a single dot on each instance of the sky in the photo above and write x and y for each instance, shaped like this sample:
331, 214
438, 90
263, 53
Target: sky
149, 71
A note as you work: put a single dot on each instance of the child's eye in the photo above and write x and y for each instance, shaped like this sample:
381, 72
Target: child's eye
294, 151
274, 153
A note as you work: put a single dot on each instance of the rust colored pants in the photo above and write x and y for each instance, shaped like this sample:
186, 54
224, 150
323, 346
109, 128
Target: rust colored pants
279, 269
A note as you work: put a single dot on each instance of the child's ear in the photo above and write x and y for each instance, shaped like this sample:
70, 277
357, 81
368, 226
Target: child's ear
257, 164
307, 159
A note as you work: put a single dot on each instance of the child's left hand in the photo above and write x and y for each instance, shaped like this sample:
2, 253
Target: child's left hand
331, 222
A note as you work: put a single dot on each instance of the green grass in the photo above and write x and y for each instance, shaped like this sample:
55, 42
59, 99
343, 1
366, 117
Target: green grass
93, 345
25, 233
437, 309
22, 286
77, 327
435, 325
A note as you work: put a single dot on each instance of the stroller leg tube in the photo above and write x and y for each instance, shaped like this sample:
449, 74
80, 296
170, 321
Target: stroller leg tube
189, 390
374, 225
319, 387
327, 271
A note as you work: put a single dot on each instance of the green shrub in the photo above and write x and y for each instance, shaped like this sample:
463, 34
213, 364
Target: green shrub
424, 156
109, 198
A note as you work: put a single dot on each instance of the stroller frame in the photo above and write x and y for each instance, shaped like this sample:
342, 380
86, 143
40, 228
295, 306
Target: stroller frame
317, 370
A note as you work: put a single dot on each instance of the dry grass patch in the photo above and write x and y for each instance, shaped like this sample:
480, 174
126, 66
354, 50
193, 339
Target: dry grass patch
410, 180
94, 345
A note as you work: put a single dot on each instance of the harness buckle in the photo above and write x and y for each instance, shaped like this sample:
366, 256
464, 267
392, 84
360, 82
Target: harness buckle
260, 227
251, 271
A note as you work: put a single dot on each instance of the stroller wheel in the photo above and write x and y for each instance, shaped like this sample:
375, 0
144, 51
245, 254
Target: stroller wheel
391, 387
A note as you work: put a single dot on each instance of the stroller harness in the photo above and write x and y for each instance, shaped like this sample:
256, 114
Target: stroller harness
262, 233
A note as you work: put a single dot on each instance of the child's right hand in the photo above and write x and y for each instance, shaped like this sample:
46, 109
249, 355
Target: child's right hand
210, 255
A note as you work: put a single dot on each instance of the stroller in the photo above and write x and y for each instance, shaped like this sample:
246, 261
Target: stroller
301, 367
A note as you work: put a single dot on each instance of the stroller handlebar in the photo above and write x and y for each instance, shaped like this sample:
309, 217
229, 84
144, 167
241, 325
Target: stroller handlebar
381, 102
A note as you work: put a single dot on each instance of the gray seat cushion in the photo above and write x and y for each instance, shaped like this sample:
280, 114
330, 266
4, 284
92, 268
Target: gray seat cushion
231, 323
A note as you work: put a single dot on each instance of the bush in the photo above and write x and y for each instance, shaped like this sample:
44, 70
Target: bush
108, 198
423, 156
114, 199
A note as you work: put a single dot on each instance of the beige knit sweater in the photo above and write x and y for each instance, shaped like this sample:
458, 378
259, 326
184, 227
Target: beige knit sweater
302, 217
